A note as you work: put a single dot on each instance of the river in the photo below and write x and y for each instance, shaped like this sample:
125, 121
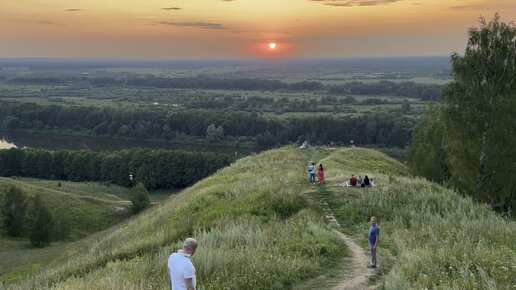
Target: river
10, 139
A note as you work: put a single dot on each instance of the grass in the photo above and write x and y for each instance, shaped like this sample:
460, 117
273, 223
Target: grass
80, 209
256, 231
431, 238
254, 228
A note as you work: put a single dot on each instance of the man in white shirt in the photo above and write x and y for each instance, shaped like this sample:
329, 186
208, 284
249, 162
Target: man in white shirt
181, 269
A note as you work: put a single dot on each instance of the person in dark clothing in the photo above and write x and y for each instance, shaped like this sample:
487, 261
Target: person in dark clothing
366, 182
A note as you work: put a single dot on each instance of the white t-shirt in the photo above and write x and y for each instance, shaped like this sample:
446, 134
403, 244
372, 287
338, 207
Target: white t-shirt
180, 268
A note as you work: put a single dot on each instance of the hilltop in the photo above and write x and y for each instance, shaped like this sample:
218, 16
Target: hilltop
260, 225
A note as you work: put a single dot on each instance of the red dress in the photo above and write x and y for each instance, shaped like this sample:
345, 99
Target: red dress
321, 176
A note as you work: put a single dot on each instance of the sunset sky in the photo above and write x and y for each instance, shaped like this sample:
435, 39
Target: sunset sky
224, 29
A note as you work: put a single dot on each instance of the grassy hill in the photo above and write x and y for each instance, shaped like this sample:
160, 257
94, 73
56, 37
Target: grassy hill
257, 229
78, 209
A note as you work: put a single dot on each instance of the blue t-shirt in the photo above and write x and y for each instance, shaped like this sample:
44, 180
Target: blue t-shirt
374, 232
311, 169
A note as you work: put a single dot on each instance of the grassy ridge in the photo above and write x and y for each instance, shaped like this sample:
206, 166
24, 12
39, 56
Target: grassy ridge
79, 209
254, 228
85, 213
432, 238
257, 232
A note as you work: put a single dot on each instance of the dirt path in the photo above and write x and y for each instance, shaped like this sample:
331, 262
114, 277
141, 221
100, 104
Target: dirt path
359, 275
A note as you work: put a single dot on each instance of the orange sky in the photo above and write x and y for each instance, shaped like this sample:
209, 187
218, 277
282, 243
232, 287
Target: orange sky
178, 29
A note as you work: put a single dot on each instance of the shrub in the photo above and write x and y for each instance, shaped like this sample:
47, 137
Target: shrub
139, 198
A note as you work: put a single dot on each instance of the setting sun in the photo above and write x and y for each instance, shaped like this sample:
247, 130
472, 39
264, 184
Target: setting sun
272, 45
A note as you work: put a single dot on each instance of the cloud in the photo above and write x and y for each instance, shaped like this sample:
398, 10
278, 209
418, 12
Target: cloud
46, 22
354, 3
172, 8
73, 9
497, 5
203, 25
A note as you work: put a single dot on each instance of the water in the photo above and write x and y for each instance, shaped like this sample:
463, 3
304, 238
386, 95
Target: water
10, 139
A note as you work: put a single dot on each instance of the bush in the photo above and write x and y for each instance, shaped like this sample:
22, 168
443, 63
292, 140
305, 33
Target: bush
40, 223
13, 210
139, 198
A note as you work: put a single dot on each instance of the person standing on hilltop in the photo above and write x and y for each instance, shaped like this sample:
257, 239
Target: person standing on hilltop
181, 269
311, 170
374, 238
320, 172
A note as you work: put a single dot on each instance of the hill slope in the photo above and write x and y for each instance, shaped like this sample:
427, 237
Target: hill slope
255, 232
258, 231
78, 210
432, 238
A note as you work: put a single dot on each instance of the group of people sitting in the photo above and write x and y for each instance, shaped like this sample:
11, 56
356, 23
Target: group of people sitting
359, 182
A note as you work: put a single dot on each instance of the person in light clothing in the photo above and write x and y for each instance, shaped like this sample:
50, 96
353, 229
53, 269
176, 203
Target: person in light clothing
311, 170
181, 269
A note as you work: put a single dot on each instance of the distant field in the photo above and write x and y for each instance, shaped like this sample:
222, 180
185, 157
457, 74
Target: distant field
178, 99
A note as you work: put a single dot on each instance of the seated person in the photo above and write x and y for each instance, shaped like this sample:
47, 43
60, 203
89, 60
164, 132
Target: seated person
353, 180
366, 182
359, 182
372, 183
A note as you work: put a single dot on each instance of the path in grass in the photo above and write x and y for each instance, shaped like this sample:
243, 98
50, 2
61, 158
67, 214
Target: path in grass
358, 275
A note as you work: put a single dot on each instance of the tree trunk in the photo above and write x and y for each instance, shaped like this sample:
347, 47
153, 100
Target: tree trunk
482, 164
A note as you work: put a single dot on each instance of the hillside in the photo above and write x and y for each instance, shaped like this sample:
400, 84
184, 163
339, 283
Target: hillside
259, 227
78, 209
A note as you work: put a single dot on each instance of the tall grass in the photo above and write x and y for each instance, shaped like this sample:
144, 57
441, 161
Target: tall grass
440, 239
255, 231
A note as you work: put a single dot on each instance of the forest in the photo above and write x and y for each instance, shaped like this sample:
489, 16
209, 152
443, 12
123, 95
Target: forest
154, 168
388, 129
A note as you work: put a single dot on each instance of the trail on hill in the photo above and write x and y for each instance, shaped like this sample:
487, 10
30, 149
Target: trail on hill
359, 275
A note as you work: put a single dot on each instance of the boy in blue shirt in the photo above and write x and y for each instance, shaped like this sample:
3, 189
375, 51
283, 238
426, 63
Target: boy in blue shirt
374, 238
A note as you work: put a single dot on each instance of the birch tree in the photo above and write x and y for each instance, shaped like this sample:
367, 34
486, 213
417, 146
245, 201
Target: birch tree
479, 112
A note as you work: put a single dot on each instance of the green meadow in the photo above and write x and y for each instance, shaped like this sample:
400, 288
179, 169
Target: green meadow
258, 228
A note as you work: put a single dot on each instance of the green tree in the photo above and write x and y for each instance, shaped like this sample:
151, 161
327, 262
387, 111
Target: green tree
214, 133
13, 210
426, 156
139, 198
479, 114
40, 223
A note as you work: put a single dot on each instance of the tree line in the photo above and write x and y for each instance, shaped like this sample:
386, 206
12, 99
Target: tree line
154, 168
390, 129
468, 142
426, 92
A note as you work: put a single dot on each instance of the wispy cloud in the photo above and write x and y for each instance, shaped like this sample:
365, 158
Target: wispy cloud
203, 25
46, 22
354, 3
74, 10
172, 8
510, 4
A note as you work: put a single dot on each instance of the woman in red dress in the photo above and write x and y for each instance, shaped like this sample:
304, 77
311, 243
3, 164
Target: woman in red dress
321, 174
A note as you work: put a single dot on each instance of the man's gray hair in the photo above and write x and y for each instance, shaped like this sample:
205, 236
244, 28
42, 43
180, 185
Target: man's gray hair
190, 244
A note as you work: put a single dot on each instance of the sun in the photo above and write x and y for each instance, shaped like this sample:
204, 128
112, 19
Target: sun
272, 45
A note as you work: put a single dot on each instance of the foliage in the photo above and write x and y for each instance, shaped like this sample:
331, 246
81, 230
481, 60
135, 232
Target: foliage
479, 115
139, 198
214, 133
388, 129
405, 89
426, 155
78, 209
13, 210
154, 168
469, 141
40, 223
